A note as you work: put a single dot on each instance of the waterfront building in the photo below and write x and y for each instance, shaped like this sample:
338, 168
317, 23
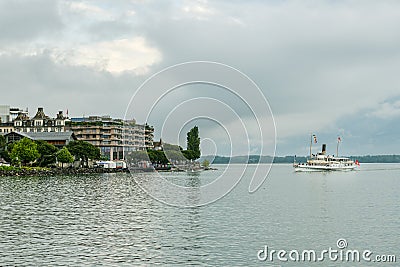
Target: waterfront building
114, 137
40, 122
149, 136
58, 139
158, 145
6, 127
9, 114
15, 111
4, 113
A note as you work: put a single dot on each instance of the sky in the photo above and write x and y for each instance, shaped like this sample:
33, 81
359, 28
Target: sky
326, 67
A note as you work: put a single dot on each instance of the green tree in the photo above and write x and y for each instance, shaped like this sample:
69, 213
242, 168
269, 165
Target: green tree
2, 142
64, 156
84, 151
205, 164
193, 144
3, 151
6, 154
24, 151
188, 154
47, 153
157, 156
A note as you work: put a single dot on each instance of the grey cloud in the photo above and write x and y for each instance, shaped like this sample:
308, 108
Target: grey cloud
38, 81
106, 30
26, 20
325, 60
319, 59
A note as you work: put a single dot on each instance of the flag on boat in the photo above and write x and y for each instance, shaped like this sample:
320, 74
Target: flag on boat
357, 162
315, 138
339, 139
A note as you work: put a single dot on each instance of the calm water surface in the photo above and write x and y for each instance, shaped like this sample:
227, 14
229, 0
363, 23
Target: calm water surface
106, 220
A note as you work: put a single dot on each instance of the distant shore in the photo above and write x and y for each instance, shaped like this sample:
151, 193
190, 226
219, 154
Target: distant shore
254, 159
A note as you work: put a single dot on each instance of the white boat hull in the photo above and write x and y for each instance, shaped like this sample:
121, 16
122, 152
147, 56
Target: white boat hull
334, 167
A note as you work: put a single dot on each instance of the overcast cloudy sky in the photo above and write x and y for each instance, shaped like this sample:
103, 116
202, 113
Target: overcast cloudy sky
330, 67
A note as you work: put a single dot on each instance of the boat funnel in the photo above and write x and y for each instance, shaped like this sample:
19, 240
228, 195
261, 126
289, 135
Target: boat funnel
323, 149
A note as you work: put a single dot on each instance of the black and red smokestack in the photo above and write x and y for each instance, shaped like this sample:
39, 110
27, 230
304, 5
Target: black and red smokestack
323, 149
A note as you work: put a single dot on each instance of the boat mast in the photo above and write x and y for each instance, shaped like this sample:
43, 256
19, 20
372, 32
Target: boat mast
337, 146
311, 140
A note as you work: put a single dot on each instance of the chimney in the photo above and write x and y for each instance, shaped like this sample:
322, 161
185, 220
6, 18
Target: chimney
60, 115
323, 149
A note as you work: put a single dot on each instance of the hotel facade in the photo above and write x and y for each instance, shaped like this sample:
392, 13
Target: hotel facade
40, 122
114, 137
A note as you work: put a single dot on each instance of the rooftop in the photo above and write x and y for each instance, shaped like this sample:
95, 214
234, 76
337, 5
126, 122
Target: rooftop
48, 136
40, 114
51, 135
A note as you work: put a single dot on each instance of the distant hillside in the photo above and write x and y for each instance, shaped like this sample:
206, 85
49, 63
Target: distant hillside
377, 158
253, 159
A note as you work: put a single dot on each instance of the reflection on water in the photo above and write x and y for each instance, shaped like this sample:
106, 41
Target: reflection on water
108, 220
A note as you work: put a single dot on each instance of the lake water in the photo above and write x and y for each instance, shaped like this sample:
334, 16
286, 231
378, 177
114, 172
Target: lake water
107, 220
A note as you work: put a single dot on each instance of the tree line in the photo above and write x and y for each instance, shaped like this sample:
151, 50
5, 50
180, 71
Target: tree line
171, 152
27, 152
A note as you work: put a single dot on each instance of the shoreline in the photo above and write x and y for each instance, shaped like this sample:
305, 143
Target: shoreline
6, 171
33, 171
